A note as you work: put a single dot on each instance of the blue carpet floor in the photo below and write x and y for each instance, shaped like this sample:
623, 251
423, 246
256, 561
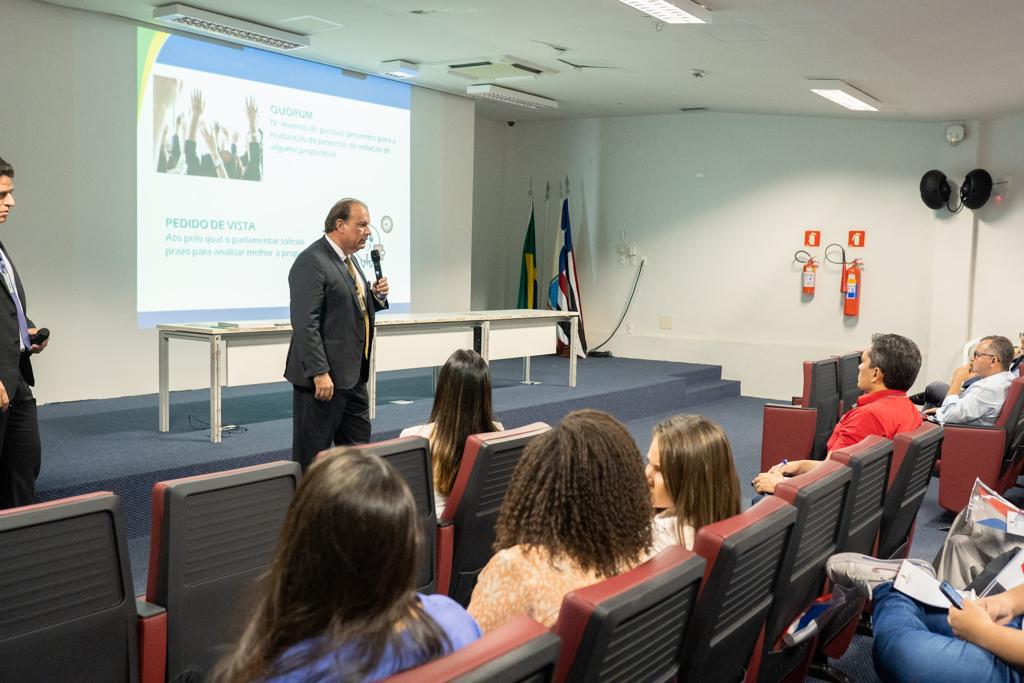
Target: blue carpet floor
113, 444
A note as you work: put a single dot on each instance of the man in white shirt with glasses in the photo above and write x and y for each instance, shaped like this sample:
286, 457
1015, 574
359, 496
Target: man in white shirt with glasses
979, 404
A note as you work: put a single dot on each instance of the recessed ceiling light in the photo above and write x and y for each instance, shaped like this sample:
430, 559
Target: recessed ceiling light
844, 94
676, 12
228, 28
509, 96
399, 68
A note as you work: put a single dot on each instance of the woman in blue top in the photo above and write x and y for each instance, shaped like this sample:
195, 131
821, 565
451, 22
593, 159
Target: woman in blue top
339, 603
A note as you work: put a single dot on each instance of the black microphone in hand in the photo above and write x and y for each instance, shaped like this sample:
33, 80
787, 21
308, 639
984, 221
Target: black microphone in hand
41, 335
375, 256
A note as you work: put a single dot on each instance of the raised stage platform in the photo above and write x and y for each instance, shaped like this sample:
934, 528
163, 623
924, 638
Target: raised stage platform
114, 444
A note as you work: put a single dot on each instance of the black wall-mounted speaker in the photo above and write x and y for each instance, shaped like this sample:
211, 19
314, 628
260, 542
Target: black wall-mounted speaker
977, 188
935, 189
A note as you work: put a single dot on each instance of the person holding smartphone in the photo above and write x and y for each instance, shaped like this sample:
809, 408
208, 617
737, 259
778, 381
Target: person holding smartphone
980, 641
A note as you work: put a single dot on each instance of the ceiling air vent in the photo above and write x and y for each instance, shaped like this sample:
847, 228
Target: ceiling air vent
496, 69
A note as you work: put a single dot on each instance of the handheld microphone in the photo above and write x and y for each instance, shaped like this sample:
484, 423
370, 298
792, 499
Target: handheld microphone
375, 256
41, 335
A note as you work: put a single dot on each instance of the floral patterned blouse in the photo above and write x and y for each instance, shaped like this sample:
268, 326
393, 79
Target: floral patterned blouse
526, 580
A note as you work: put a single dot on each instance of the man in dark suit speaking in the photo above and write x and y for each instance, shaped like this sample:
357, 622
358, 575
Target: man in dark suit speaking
332, 309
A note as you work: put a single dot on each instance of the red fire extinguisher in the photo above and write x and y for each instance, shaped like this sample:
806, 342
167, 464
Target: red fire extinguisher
851, 288
809, 273
808, 277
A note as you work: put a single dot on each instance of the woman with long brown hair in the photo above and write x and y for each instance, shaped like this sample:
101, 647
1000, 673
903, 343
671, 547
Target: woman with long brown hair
692, 479
577, 511
462, 407
339, 603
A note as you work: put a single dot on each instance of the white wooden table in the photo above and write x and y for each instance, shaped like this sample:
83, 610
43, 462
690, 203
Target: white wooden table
402, 341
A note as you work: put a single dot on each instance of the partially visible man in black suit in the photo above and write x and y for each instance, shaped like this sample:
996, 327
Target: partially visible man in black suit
20, 451
332, 310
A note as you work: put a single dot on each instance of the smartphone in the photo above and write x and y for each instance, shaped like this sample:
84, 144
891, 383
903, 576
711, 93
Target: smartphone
952, 594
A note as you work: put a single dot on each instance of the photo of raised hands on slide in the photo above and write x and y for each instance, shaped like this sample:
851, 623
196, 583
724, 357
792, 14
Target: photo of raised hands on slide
193, 141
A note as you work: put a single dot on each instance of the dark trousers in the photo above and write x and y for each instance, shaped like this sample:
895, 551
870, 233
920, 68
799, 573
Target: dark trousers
20, 450
318, 425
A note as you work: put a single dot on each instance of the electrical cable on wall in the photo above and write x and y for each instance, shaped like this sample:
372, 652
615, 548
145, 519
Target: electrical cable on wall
629, 302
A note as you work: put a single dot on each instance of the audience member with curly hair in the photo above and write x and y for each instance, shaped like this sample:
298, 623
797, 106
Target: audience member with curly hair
577, 511
692, 478
340, 602
462, 407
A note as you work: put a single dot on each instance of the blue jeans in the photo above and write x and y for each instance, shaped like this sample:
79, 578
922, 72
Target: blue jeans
913, 642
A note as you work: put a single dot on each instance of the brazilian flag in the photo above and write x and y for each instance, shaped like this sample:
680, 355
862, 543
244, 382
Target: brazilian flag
528, 272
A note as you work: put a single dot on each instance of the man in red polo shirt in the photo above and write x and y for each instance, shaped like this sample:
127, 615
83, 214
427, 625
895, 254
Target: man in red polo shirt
887, 370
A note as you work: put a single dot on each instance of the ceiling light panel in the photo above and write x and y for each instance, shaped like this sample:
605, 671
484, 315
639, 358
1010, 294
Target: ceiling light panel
678, 12
228, 28
845, 95
509, 96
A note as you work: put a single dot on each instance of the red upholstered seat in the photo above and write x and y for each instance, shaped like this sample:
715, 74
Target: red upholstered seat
801, 432
913, 458
521, 650
849, 392
993, 454
466, 532
410, 455
67, 612
869, 463
212, 536
821, 498
631, 626
744, 555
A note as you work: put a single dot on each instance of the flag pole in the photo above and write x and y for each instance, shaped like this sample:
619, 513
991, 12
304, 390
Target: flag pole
547, 205
537, 254
557, 230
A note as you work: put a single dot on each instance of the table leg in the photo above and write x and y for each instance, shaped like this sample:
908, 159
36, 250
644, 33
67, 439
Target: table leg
574, 326
526, 372
215, 431
164, 413
373, 382
485, 341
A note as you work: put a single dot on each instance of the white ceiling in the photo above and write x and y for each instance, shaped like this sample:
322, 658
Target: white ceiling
938, 60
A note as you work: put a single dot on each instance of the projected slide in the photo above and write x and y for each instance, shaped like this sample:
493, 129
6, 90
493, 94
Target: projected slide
241, 154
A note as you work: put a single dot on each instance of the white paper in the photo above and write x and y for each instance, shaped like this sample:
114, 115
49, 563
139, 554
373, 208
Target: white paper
916, 583
1011, 576
1015, 523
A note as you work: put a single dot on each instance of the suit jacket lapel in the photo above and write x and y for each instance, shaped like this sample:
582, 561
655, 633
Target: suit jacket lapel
3, 280
343, 270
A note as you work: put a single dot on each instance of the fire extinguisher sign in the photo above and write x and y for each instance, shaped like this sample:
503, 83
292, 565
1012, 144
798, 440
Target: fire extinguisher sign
856, 238
812, 238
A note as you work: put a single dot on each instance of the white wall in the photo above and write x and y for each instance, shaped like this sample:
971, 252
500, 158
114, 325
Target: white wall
1000, 253
718, 204
442, 196
67, 125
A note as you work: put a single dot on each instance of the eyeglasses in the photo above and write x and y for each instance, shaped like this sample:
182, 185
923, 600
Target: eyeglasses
976, 355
